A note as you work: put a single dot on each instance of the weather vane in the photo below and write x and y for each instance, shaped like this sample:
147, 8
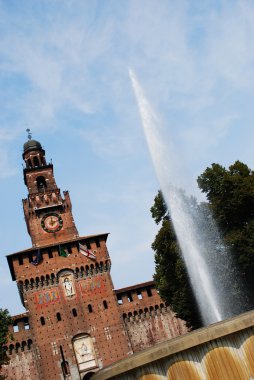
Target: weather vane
29, 134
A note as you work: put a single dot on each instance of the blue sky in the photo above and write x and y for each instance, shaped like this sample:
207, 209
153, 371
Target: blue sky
64, 74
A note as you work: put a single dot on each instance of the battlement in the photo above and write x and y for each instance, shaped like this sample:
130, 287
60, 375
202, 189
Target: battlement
21, 267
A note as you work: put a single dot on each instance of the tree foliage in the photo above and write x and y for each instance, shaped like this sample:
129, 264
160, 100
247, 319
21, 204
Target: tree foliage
227, 217
170, 277
5, 322
230, 193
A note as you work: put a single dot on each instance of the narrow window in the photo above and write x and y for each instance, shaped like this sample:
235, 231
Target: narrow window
97, 242
139, 295
105, 304
20, 260
42, 319
119, 299
58, 316
15, 328
26, 323
74, 312
50, 254
130, 299
90, 309
41, 183
69, 249
149, 293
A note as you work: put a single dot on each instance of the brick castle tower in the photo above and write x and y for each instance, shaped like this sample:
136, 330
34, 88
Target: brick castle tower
76, 322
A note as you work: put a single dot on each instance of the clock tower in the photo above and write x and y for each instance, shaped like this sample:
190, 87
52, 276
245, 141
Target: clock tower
65, 284
48, 215
75, 321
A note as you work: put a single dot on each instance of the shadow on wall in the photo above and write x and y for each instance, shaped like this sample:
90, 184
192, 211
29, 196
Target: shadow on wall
88, 376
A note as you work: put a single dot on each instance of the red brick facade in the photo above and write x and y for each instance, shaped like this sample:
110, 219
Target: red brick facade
76, 322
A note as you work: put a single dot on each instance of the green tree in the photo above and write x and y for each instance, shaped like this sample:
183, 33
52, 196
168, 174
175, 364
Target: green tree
5, 322
170, 277
230, 193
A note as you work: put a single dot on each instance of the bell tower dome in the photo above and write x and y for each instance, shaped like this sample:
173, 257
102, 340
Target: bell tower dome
48, 214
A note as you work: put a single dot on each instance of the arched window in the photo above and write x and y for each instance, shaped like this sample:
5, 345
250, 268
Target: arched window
23, 345
17, 347
90, 309
37, 281
47, 279
41, 183
11, 348
36, 161
42, 319
74, 312
58, 316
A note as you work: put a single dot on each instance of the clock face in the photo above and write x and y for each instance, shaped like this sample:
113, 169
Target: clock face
52, 222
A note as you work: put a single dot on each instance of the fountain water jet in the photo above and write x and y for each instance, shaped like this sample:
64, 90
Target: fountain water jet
210, 304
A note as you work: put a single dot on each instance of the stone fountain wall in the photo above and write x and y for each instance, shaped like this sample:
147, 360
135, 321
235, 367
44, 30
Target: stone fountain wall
222, 351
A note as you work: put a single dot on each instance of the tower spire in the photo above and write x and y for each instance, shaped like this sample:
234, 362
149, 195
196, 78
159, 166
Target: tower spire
29, 134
